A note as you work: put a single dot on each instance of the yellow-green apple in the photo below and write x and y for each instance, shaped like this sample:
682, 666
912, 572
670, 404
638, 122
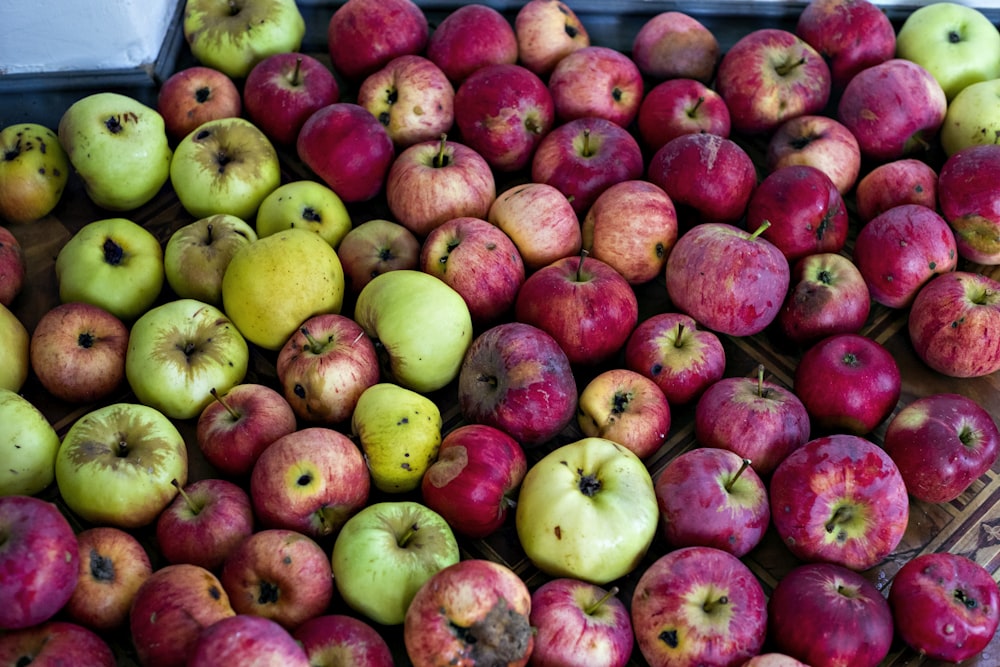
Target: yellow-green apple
708, 177
698, 605
680, 106
279, 574
899, 250
373, 247
587, 510
274, 284
578, 623
945, 606
827, 295
239, 424
117, 463
393, 309
903, 181
13, 267
627, 407
850, 34
328, 638
310, 481
517, 379
848, 382
225, 165
712, 497
757, 419
479, 261
387, 551
818, 141
196, 95
113, 565
473, 480
679, 356
29, 444
235, 35
171, 609
15, 351
894, 109
770, 75
950, 324
675, 45
829, 615
596, 81
204, 523
965, 187
306, 204
325, 366
941, 444
195, 256
488, 600
179, 351
119, 148
283, 90
364, 35
40, 561
546, 31
412, 97
55, 642
582, 158
839, 499
503, 111
632, 226
541, 222
973, 117
34, 170
713, 254
470, 37
958, 44
113, 263
247, 639
348, 148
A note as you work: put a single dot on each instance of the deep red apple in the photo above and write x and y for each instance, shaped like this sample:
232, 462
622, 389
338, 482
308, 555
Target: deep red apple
681, 106
966, 189
850, 34
828, 295
471, 37
283, 90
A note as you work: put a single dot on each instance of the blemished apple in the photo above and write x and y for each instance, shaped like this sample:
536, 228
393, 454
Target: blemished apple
547, 31
247, 639
33, 174
55, 642
328, 638
195, 95
596, 81
964, 187
363, 35
30, 444
13, 267
817, 141
283, 90
373, 247
675, 45
893, 183
827, 295
541, 222
469, 38
627, 407
305, 204
195, 256
972, 117
681, 106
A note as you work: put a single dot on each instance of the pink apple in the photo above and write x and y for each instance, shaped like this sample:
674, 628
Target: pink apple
675, 45
626, 407
13, 267
373, 247
247, 640
546, 31
330, 640
283, 90
196, 95
55, 643
773, 660
827, 295
470, 37
681, 106
903, 181
818, 141
541, 222
363, 35
966, 189
851, 34
596, 81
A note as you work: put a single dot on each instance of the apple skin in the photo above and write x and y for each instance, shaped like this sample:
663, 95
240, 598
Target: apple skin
540, 220
675, 45
945, 606
681, 106
283, 90
964, 184
30, 445
248, 640
773, 660
33, 173
596, 81
195, 256
903, 181
364, 35
941, 444
827, 296
627, 407
972, 117
818, 141
13, 267
330, 638
195, 95
15, 352
55, 643
547, 31
471, 37
839, 499
373, 247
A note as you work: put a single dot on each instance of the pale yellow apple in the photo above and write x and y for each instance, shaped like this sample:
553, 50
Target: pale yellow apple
304, 205
28, 446
14, 359
973, 117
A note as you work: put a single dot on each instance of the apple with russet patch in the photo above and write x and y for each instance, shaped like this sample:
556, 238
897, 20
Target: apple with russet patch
965, 189
827, 295
283, 90
195, 95
681, 106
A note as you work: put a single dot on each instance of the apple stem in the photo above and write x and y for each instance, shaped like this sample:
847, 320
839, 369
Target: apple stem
841, 515
441, 159
710, 605
312, 344
760, 380
693, 111
209, 230
579, 267
680, 336
743, 466
187, 499
585, 149
785, 68
760, 230
217, 396
296, 79
589, 611
405, 538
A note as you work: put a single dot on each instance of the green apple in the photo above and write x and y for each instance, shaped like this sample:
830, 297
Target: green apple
226, 165
421, 327
234, 35
973, 117
117, 465
118, 146
180, 351
308, 205
957, 44
113, 263
385, 552
34, 169
28, 446
196, 255
14, 356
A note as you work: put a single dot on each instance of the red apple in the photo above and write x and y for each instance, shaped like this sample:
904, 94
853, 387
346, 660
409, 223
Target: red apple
904, 181
675, 45
851, 34
596, 81
817, 141
966, 189
332, 640
828, 295
247, 640
55, 643
13, 268
283, 90
541, 222
471, 37
681, 106
626, 407
363, 35
373, 247
773, 660
546, 31
196, 95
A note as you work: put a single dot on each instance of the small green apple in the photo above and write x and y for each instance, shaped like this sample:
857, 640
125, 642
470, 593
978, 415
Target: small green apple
973, 117
14, 357
196, 255
28, 446
34, 169
307, 205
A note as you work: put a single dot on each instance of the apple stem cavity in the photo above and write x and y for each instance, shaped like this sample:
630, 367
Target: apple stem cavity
404, 540
592, 609
785, 68
229, 408
712, 605
114, 254
192, 505
693, 111
760, 230
585, 149
313, 345
296, 78
732, 480
841, 515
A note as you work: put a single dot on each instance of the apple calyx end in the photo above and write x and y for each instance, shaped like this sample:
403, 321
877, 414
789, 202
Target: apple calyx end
114, 254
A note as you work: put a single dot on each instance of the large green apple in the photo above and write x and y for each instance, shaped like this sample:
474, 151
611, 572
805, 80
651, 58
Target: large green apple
28, 446
196, 255
973, 117
34, 169
421, 327
117, 463
118, 146
14, 358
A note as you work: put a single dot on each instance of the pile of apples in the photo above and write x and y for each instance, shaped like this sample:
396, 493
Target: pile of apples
515, 255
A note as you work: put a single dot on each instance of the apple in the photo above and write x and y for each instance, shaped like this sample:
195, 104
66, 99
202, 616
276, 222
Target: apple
541, 222
587, 510
827, 296
698, 605
113, 263
15, 353
329, 639
283, 90
950, 324
234, 36
310, 481
33, 173
675, 45
817, 141
306, 204
627, 407
278, 574
473, 480
893, 183
195, 256
364, 35
117, 463
516, 378
471, 37
29, 444
773, 660
386, 552
373, 247
250, 640
546, 31
681, 106
971, 117
13, 267
964, 189
596, 81
55, 643
39, 558
195, 95
118, 146
839, 499
78, 352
